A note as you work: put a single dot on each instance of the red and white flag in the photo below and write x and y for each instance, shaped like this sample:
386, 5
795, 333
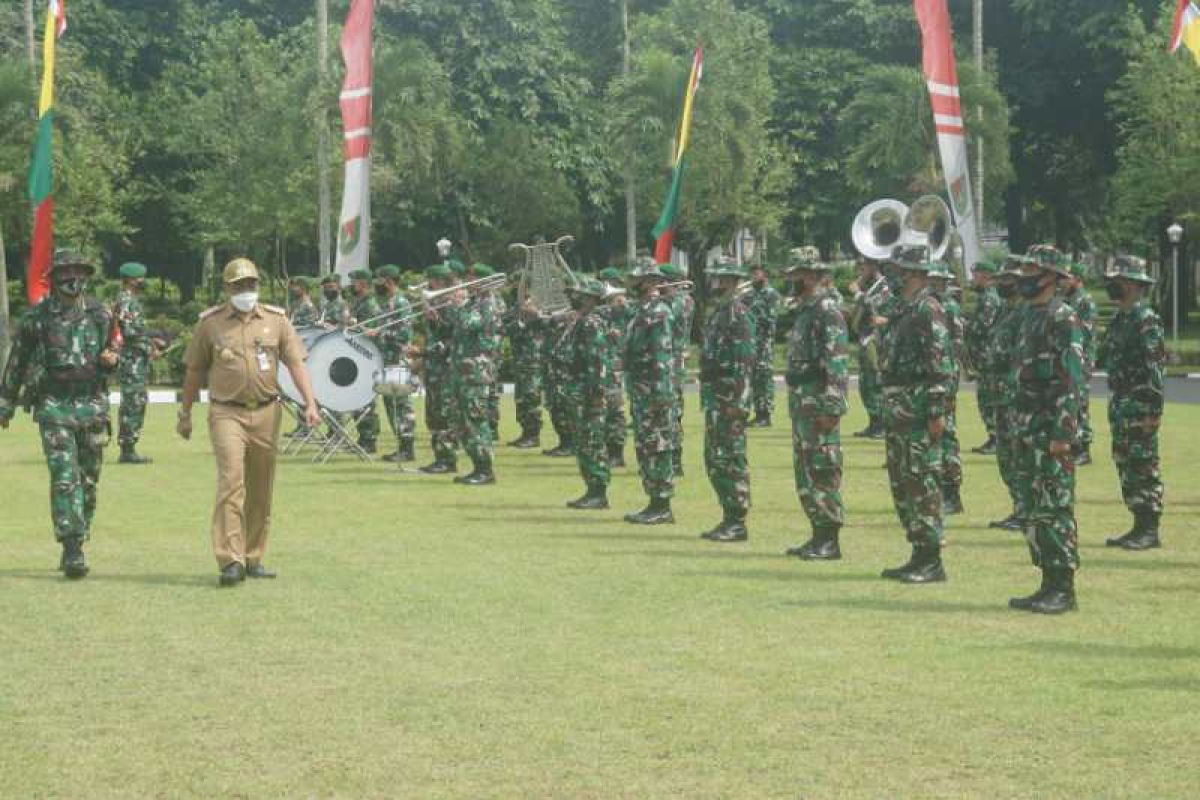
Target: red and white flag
941, 78
354, 223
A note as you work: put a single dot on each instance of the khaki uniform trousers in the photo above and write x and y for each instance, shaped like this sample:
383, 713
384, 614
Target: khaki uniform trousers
244, 442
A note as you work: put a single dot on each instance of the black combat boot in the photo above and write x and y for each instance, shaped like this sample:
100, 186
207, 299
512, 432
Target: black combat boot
951, 500
616, 455
1059, 596
1084, 458
823, 546
1010, 523
657, 512
1119, 541
74, 563
526, 441
368, 446
439, 467
563, 449
927, 566
988, 448
865, 432
130, 456
762, 419
731, 529
1144, 534
876, 430
481, 475
895, 572
408, 450
677, 463
1026, 603
595, 498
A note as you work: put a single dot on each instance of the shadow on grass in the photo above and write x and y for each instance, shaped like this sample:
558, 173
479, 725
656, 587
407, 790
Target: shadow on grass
801, 574
566, 519
102, 577
926, 606
1107, 650
1174, 684
1135, 562
969, 540
630, 535
736, 555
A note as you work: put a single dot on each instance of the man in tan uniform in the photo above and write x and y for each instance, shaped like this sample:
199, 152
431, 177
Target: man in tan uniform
235, 351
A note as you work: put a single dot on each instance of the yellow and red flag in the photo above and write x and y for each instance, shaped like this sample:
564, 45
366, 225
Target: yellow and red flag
664, 230
41, 168
1187, 28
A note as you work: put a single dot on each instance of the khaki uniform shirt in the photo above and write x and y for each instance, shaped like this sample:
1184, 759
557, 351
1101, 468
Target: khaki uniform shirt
240, 353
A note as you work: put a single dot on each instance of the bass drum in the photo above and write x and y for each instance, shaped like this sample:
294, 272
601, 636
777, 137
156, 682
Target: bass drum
308, 335
343, 368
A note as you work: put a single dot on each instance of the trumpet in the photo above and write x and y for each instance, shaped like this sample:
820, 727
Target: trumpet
417, 288
430, 300
683, 286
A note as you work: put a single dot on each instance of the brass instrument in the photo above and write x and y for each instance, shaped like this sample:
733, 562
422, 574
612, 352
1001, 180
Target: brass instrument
430, 300
683, 286
883, 224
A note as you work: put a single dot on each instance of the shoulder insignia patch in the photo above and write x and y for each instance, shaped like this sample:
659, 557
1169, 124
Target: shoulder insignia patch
274, 309
208, 312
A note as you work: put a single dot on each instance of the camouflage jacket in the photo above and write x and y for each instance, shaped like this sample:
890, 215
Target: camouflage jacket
363, 309
683, 311
492, 306
591, 364
1048, 367
472, 348
763, 305
1081, 300
867, 304
980, 325
649, 354
956, 328
1133, 353
304, 314
394, 338
918, 353
439, 339
818, 364
524, 333
999, 352
334, 312
54, 368
728, 356
618, 317
890, 307
131, 318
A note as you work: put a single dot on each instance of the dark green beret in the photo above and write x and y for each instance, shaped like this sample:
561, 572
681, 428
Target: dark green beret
439, 272
132, 269
987, 267
611, 274
670, 270
332, 279
482, 270
388, 272
360, 275
457, 267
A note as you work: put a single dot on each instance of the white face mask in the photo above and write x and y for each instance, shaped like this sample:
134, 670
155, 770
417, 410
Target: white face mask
244, 301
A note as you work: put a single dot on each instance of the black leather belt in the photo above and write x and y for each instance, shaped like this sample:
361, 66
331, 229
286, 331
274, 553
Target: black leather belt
250, 405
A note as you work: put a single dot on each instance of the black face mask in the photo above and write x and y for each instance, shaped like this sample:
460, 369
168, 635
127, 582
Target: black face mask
1006, 290
1030, 286
1115, 291
72, 287
331, 294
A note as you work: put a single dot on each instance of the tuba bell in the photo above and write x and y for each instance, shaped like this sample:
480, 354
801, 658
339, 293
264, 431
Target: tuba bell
882, 225
929, 223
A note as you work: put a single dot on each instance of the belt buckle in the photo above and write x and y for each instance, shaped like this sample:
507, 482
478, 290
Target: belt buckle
252, 404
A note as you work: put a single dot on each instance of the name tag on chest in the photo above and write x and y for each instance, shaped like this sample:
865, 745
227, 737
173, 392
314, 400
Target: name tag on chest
264, 361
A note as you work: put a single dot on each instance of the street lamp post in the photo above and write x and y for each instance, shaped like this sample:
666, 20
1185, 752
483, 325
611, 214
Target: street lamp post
443, 248
1175, 235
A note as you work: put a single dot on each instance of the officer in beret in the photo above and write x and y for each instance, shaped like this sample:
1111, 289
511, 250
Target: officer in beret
134, 368
335, 313
61, 359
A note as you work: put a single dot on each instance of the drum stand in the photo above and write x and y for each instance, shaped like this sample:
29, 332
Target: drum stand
308, 435
340, 437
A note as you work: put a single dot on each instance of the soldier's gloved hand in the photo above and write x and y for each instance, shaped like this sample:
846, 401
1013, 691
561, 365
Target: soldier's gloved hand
184, 426
937, 426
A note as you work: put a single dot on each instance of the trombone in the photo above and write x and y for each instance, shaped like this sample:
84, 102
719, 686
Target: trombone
683, 286
435, 299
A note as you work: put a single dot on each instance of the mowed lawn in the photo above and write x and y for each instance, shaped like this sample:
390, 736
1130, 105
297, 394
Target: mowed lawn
430, 640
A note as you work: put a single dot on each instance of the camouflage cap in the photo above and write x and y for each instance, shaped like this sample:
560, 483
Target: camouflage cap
132, 270
909, 256
482, 270
1048, 257
671, 270
332, 279
806, 258
303, 281
611, 274
939, 269
360, 275
66, 257
987, 267
239, 269
1131, 268
1012, 265
1078, 269
725, 267
389, 272
644, 267
439, 272
457, 267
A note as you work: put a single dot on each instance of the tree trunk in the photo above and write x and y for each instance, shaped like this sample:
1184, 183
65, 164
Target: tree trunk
31, 52
324, 242
630, 195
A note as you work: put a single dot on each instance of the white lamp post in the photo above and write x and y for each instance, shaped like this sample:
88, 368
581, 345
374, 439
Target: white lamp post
1175, 235
443, 247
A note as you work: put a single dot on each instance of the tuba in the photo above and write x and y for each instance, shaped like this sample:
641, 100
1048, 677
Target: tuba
882, 225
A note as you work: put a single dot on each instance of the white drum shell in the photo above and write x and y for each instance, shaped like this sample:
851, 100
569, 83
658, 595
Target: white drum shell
343, 368
308, 336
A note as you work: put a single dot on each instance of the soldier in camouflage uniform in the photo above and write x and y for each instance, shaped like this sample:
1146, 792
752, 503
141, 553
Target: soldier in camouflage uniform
998, 371
556, 373
980, 326
335, 312
134, 367
302, 312
393, 341
726, 397
58, 369
618, 311
473, 367
363, 307
524, 330
440, 413
817, 379
649, 379
683, 310
941, 278
763, 302
1079, 298
497, 307
1048, 373
871, 291
591, 366
1133, 353
917, 376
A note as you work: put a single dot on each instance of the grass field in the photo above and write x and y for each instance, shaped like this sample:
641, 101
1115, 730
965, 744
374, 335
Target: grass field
430, 640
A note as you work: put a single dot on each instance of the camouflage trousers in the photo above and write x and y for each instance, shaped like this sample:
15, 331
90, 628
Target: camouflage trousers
132, 414
677, 418
401, 417
591, 429
869, 389
1085, 415
528, 396
1048, 494
441, 416
557, 404
474, 424
653, 433
1135, 452
817, 463
614, 413
725, 459
914, 466
493, 407
987, 395
951, 455
74, 456
368, 425
1010, 459
762, 381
